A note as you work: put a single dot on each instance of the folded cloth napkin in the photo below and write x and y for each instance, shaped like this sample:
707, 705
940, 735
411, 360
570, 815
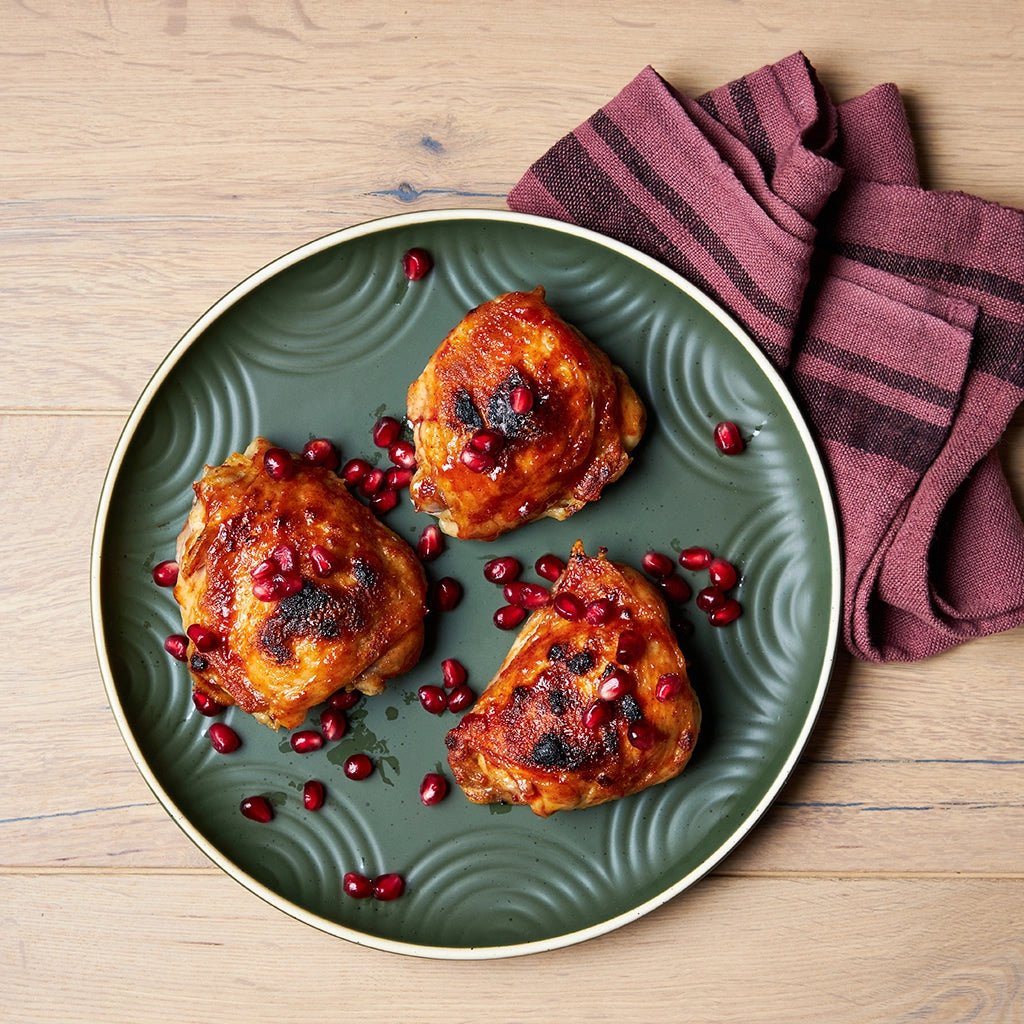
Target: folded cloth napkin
895, 314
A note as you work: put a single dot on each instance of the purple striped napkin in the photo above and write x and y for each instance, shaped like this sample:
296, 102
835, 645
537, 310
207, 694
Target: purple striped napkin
896, 315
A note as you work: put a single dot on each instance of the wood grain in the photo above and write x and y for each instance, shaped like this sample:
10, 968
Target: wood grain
156, 153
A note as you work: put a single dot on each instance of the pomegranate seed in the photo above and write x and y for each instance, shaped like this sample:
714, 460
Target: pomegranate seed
278, 464
257, 808
204, 639
416, 264
344, 700
722, 574
323, 564
569, 606
313, 793
403, 453
165, 574
656, 564
630, 647
386, 431
264, 569
521, 400
675, 588
599, 612
205, 704
614, 685
357, 767
358, 886
333, 724
176, 646
503, 569
550, 567
223, 738
729, 612
354, 470
278, 586
306, 741
478, 462
320, 452
388, 886
508, 616
396, 478
669, 685
454, 673
641, 735
447, 593
384, 500
460, 698
710, 599
433, 789
371, 482
430, 544
433, 698
695, 558
597, 714
286, 557
490, 442
727, 438
530, 596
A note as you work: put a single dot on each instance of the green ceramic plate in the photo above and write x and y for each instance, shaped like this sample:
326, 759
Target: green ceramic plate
320, 343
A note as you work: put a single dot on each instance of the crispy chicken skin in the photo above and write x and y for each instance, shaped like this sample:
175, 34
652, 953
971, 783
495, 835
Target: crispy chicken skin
527, 740
553, 458
352, 628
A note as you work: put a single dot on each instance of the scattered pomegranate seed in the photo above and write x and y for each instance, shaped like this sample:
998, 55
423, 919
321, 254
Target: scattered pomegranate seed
599, 612
460, 698
257, 808
695, 558
344, 700
354, 470
502, 570
384, 500
526, 595
521, 400
728, 439
333, 724
490, 442
454, 673
478, 462
447, 593
669, 685
358, 886
569, 606
508, 616
277, 587
313, 794
205, 704
729, 612
265, 569
630, 647
323, 563
614, 685
306, 741
204, 639
433, 789
403, 453
656, 564
388, 886
176, 646
286, 557
386, 431
320, 452
357, 767
430, 544
165, 574
278, 464
675, 588
549, 567
709, 599
722, 574
223, 738
371, 482
416, 264
396, 478
597, 714
641, 735
433, 698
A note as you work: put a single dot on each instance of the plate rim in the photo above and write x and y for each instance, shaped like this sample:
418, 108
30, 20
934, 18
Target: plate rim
270, 270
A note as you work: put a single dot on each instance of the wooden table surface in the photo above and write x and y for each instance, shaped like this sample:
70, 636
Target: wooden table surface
153, 155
